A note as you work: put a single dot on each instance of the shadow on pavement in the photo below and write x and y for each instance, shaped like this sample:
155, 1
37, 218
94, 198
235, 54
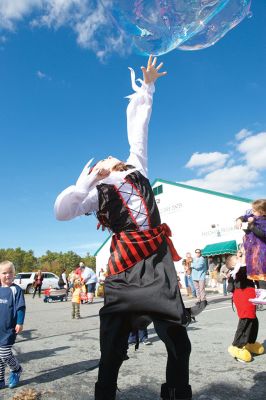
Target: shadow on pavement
210, 301
219, 391
220, 300
222, 391
90, 316
60, 334
26, 335
39, 354
62, 371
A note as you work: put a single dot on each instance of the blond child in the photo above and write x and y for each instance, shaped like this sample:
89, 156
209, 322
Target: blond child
12, 312
76, 299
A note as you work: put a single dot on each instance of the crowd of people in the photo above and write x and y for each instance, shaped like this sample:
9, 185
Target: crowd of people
141, 286
234, 273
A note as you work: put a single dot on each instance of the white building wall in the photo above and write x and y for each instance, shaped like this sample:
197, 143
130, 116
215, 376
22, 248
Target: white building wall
103, 256
195, 218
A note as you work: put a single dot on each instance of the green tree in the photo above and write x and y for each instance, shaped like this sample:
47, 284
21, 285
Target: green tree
23, 260
50, 261
90, 261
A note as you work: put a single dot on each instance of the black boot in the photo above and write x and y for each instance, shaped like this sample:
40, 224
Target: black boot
198, 308
104, 393
170, 393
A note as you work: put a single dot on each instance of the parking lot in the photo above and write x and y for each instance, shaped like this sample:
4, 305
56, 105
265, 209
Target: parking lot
60, 356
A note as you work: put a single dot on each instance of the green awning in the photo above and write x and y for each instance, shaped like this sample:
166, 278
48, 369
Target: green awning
214, 249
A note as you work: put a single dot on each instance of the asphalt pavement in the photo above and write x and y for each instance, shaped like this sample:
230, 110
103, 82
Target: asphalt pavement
60, 356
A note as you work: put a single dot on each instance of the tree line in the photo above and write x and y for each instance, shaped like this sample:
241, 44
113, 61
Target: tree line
26, 261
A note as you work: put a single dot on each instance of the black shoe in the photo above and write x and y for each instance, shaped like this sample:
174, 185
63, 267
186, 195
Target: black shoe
170, 393
103, 393
168, 398
198, 308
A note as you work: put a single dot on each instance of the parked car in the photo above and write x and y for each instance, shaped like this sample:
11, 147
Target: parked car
25, 281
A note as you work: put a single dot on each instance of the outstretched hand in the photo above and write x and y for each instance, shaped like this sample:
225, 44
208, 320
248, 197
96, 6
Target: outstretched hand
151, 72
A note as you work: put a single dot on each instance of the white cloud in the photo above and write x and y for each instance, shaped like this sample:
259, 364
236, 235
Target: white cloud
238, 171
243, 134
42, 75
207, 162
254, 150
14, 10
96, 32
228, 179
62, 12
87, 18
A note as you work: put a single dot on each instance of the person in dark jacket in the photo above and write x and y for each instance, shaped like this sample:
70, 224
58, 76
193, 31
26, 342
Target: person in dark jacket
37, 283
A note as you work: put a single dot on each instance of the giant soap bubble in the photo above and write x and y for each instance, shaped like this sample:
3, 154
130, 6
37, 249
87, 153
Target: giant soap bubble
230, 16
159, 26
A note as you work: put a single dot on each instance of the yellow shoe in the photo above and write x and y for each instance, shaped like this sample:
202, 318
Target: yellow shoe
232, 350
255, 348
244, 355
240, 354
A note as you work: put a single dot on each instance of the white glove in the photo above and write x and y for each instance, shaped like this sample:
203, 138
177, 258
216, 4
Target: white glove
85, 179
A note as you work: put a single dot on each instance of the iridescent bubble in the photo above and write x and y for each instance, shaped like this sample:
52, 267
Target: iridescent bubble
228, 18
159, 26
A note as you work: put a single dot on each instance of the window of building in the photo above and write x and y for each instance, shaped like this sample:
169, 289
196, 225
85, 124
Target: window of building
158, 190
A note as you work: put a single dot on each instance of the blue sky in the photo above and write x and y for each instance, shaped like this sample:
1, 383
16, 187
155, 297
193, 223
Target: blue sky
62, 102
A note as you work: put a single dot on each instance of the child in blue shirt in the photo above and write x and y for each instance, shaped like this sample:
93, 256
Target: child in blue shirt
12, 311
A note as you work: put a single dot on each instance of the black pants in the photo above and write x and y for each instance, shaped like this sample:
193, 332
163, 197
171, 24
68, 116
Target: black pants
141, 335
114, 332
37, 289
247, 332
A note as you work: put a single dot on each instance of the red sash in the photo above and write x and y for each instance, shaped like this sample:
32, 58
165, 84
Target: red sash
128, 248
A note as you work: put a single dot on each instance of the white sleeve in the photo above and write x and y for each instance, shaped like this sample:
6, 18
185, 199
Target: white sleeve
77, 199
138, 117
71, 203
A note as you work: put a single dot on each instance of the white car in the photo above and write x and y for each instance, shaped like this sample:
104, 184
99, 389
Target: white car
25, 281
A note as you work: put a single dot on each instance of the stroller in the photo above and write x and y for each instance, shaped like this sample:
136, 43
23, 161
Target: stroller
51, 295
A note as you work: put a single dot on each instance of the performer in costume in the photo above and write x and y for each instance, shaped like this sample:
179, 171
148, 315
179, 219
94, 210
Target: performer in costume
243, 289
141, 286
